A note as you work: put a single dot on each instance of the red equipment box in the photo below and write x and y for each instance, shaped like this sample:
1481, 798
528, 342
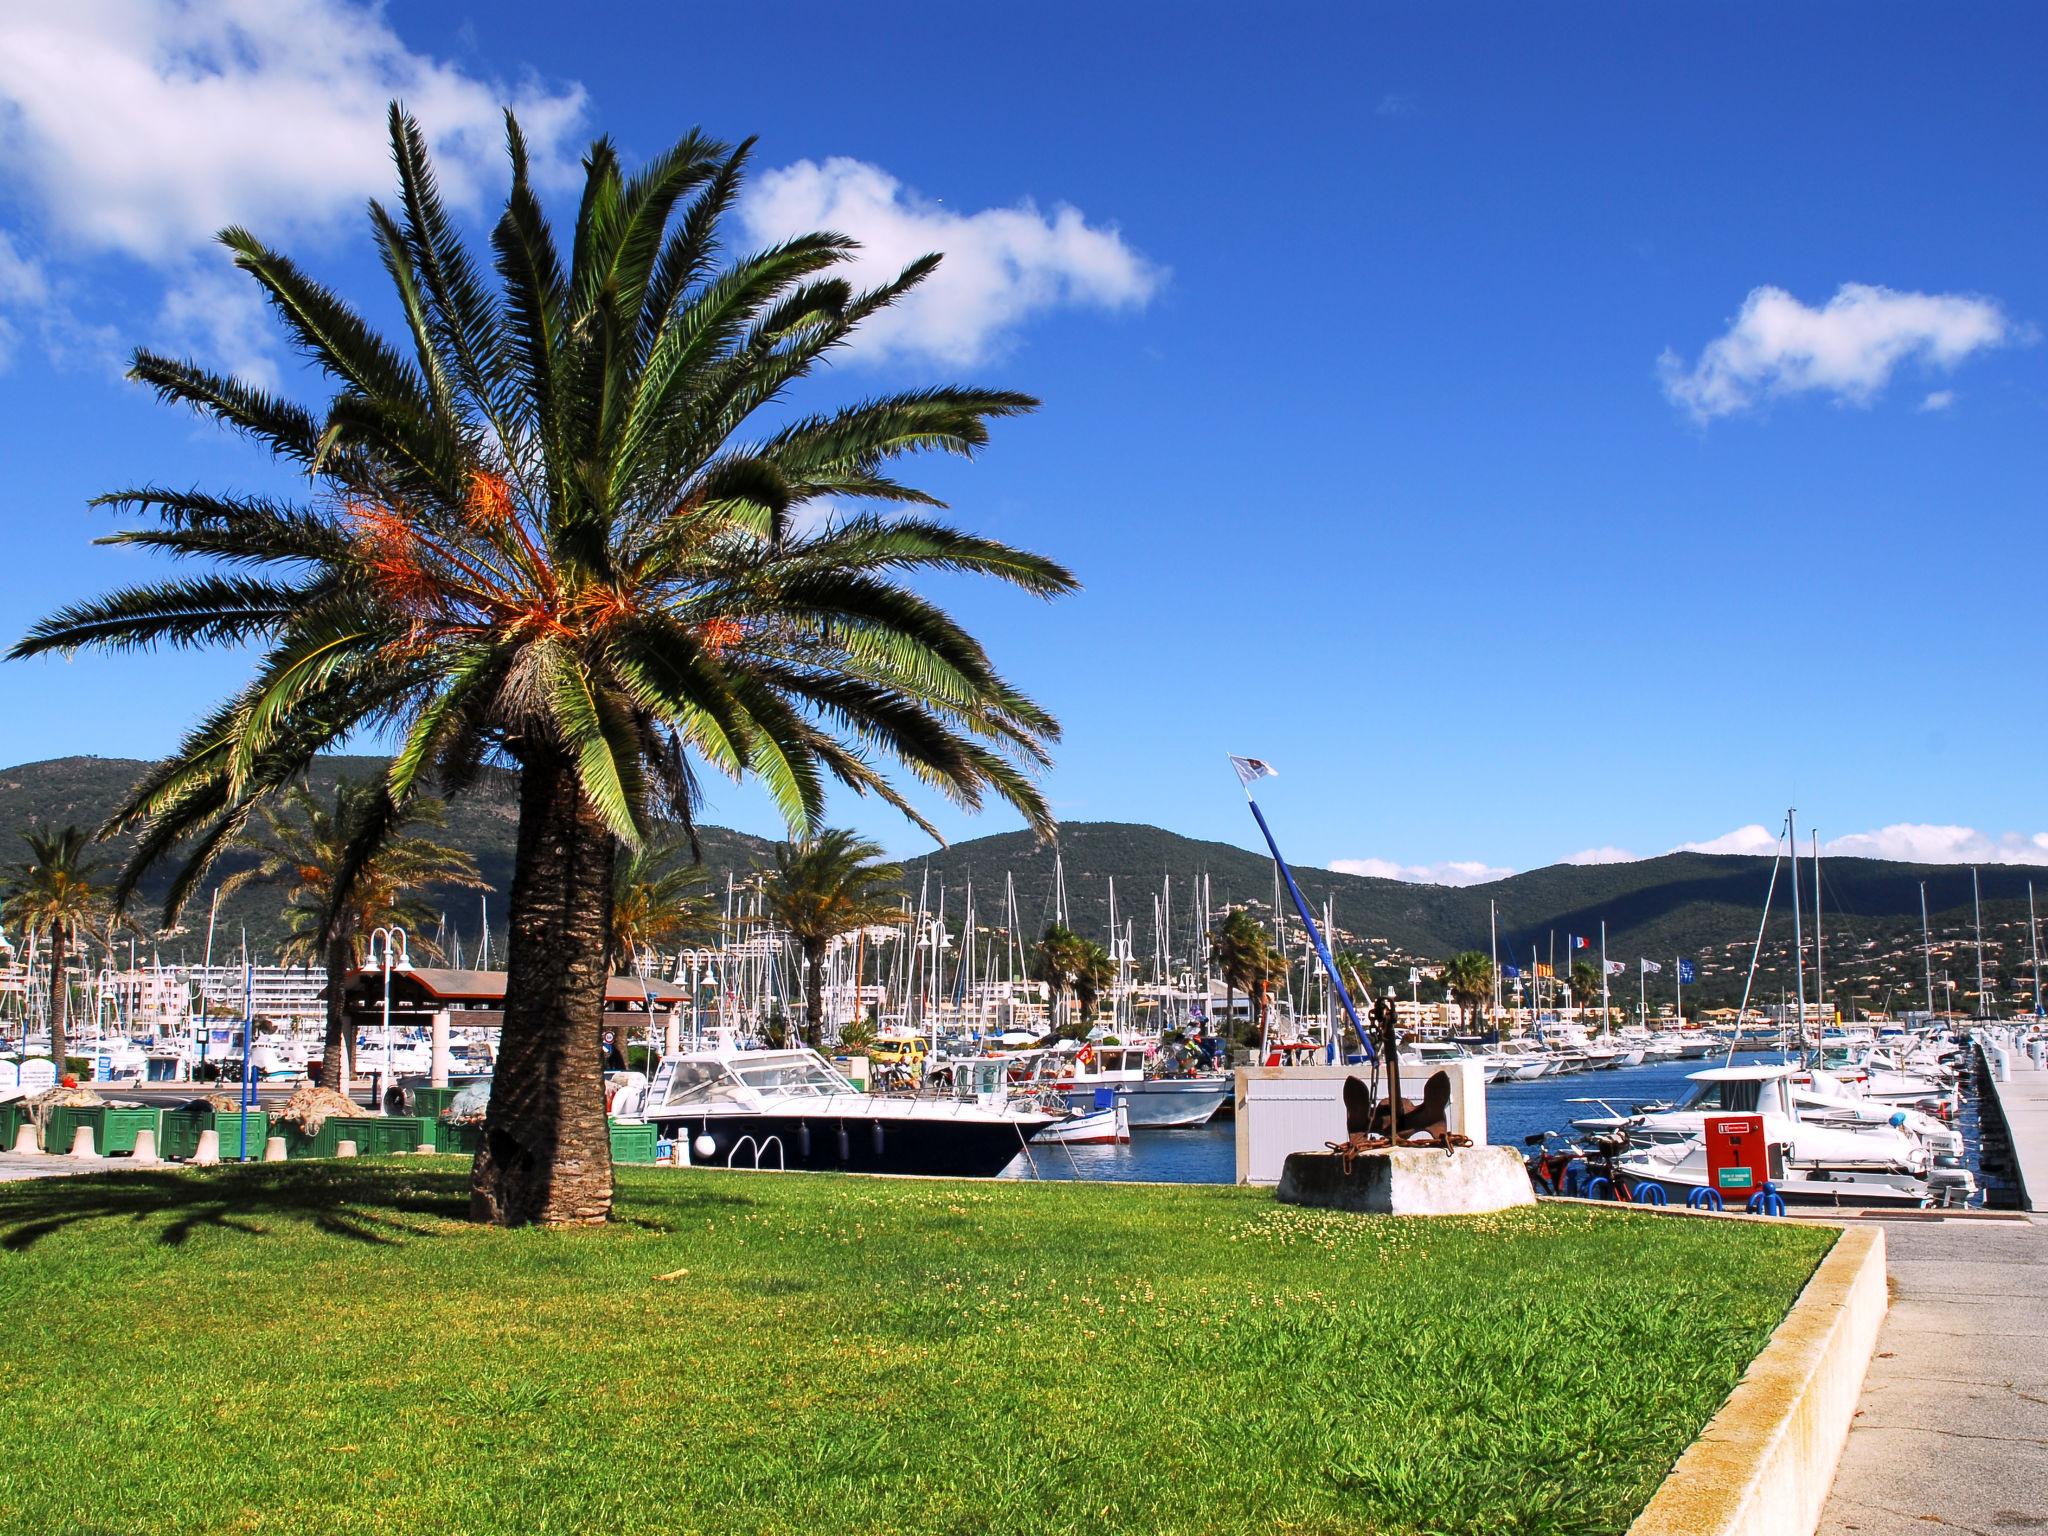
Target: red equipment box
1737, 1157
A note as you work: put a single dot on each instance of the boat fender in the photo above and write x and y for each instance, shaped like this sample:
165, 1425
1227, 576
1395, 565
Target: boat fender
704, 1146
845, 1144
878, 1138
803, 1139
1898, 1118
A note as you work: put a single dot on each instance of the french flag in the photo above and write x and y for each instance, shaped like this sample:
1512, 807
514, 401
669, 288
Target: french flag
1577, 942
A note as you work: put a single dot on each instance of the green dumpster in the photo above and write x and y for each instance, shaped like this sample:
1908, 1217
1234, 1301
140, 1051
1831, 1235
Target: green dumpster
113, 1130
632, 1142
179, 1137
374, 1135
433, 1102
12, 1117
451, 1136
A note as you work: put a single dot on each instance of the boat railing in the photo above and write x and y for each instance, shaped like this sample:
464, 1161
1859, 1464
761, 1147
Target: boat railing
732, 1158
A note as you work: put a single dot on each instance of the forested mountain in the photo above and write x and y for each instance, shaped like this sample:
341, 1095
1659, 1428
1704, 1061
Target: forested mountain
1702, 906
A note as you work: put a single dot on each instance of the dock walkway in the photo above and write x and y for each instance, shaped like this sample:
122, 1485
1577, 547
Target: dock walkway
1951, 1432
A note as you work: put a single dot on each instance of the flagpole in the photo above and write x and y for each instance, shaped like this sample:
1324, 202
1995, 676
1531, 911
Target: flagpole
1493, 942
1678, 996
1603, 974
1643, 990
1301, 906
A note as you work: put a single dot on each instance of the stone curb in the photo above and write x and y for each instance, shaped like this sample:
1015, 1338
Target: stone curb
1764, 1463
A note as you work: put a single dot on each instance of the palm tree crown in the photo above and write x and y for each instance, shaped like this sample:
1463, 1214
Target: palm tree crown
658, 901
350, 864
1246, 957
54, 892
536, 530
823, 886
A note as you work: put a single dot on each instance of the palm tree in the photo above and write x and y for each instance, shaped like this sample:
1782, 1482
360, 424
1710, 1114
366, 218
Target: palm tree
1585, 984
55, 892
820, 887
536, 534
1468, 977
659, 901
1058, 959
350, 864
1095, 974
1249, 963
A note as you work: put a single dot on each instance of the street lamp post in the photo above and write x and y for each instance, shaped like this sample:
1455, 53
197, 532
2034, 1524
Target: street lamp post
394, 958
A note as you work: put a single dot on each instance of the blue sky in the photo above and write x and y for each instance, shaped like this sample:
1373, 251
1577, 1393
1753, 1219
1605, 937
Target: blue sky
1537, 430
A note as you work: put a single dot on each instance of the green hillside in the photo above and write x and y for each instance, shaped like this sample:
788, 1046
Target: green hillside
1699, 905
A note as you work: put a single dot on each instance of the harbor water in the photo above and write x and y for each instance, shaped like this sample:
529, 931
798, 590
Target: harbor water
1208, 1154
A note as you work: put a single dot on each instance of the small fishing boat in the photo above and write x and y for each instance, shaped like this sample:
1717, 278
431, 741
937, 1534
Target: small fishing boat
1091, 1128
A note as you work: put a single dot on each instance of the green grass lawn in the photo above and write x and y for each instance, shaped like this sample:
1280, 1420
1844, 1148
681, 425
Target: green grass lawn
320, 1347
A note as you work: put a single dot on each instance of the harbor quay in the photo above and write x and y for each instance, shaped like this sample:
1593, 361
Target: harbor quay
1951, 1432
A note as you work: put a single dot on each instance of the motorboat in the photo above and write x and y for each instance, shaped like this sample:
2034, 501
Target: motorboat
1831, 1164
1096, 1075
733, 1108
1518, 1061
1091, 1128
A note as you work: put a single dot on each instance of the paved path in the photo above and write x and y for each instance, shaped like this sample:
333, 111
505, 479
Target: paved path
1952, 1429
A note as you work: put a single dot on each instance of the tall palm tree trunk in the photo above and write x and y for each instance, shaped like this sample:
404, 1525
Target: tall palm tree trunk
814, 992
335, 1053
60, 997
546, 1152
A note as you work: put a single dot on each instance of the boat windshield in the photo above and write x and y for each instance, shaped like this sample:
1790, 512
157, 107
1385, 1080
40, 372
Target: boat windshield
1739, 1096
705, 1081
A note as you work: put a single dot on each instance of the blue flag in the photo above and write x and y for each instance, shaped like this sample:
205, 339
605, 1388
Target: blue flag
1511, 972
1685, 973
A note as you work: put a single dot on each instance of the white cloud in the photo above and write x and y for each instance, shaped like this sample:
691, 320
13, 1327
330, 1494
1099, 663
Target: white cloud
1001, 265
145, 127
1750, 839
139, 129
1603, 855
1939, 400
1451, 872
217, 313
1922, 843
1848, 349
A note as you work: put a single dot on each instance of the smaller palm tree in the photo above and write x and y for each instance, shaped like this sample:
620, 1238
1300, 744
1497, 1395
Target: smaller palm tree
1096, 975
1468, 977
659, 901
820, 887
54, 893
1585, 984
1249, 964
350, 864
1058, 959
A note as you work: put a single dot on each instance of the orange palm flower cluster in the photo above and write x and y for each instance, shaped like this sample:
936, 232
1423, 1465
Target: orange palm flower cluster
721, 635
489, 500
390, 552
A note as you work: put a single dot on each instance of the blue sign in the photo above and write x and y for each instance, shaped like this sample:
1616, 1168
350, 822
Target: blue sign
1685, 973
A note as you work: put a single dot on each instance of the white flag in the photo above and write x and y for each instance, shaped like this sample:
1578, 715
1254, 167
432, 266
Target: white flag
1414, 975
1252, 768
1652, 968
1616, 967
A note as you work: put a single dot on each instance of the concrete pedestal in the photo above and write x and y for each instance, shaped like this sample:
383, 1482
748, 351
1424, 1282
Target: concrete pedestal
1410, 1181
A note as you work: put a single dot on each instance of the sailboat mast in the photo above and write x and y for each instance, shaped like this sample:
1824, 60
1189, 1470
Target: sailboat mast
2034, 935
1820, 993
1927, 949
1493, 948
1604, 1015
1798, 938
1977, 912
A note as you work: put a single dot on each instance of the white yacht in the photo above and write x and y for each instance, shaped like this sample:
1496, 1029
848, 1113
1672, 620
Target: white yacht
792, 1109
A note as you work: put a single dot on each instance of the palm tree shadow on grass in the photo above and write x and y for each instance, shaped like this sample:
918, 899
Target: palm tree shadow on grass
367, 1203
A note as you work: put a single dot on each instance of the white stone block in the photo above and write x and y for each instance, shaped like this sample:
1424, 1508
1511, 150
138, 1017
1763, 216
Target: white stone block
1410, 1181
